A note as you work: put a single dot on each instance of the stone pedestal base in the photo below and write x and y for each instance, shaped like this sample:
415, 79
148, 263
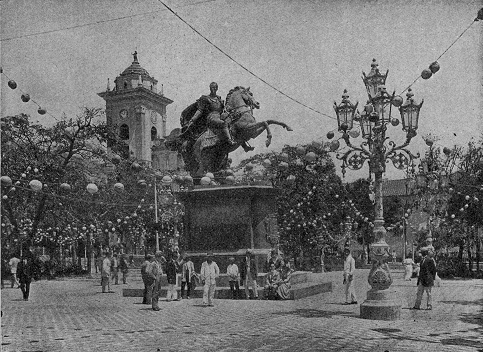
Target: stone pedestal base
381, 305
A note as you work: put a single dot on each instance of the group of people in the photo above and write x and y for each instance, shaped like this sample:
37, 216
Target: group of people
277, 280
110, 267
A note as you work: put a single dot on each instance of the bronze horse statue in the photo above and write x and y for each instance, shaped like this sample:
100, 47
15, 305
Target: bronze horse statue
202, 150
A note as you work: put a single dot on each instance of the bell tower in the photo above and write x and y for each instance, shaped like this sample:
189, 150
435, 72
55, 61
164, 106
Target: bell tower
137, 112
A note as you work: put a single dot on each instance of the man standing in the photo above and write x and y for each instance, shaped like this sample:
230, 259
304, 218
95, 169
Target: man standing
25, 271
208, 275
427, 274
13, 271
106, 272
187, 273
171, 274
155, 271
123, 265
349, 268
234, 278
147, 280
114, 267
249, 274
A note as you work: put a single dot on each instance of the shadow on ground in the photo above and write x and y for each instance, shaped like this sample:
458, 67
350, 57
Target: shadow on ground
316, 313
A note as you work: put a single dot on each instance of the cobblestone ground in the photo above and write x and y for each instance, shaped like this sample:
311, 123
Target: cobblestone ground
73, 315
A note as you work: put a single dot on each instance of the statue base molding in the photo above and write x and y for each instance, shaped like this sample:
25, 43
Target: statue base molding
381, 305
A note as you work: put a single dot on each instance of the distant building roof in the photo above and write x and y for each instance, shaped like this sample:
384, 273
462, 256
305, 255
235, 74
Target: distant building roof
401, 187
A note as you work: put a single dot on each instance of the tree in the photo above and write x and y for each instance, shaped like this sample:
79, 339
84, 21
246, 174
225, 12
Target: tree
312, 203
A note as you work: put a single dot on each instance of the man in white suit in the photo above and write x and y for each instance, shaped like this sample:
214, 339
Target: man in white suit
208, 275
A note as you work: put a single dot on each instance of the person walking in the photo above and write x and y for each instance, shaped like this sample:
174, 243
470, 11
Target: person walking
106, 272
349, 268
154, 271
209, 274
114, 271
171, 273
25, 271
427, 275
123, 265
147, 280
13, 271
234, 278
249, 274
187, 274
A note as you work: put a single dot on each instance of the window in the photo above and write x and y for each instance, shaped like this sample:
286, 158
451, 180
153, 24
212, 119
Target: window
154, 133
124, 132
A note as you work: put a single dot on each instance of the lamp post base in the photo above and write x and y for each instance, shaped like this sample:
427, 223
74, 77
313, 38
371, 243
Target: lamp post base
381, 305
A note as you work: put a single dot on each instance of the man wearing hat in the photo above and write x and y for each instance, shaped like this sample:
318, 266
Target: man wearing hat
208, 275
147, 280
427, 275
249, 274
234, 278
154, 271
349, 268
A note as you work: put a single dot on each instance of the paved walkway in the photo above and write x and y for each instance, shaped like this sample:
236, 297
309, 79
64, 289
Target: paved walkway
73, 315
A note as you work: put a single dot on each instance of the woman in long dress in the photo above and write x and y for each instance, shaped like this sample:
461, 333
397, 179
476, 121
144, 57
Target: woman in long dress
408, 268
283, 290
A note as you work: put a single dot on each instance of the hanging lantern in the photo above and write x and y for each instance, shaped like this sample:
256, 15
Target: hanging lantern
119, 186
12, 84
284, 157
249, 167
42, 111
310, 157
334, 145
142, 183
116, 159
205, 181
266, 163
136, 167
354, 133
210, 175
283, 165
65, 187
6, 181
35, 185
330, 135
426, 74
300, 150
230, 179
25, 98
434, 67
188, 180
92, 188
229, 172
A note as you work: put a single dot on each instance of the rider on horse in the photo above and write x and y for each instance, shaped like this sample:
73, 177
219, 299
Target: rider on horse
212, 107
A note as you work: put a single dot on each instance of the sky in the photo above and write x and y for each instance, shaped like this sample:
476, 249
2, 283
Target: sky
310, 50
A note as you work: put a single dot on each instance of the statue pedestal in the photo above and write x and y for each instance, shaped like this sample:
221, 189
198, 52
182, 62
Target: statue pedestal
381, 305
228, 220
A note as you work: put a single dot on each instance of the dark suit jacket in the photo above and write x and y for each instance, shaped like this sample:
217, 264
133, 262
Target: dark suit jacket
427, 272
253, 268
25, 271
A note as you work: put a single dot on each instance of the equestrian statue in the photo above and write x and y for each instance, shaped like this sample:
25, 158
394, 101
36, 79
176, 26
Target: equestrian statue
210, 129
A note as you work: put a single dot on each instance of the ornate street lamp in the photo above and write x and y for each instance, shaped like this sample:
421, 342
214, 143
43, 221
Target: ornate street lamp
345, 112
376, 149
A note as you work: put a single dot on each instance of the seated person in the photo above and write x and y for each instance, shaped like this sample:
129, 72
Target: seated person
274, 258
283, 290
272, 280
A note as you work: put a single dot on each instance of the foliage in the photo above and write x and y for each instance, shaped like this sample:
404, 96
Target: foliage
313, 202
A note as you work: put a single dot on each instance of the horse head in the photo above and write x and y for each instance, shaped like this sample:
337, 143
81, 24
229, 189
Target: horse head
240, 97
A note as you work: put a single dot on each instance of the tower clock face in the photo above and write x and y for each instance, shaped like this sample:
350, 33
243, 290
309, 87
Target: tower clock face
123, 114
154, 117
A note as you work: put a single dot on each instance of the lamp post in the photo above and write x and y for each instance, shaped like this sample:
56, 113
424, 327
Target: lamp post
374, 121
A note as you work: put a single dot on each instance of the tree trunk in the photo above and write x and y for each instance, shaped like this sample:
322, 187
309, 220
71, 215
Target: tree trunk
478, 248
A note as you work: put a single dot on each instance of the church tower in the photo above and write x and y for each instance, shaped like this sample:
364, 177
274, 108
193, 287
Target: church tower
137, 112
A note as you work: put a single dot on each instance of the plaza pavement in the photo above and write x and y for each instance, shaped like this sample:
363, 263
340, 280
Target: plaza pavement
73, 315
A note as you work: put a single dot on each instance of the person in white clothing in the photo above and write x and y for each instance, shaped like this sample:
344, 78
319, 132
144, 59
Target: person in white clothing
13, 271
106, 272
208, 275
234, 278
349, 268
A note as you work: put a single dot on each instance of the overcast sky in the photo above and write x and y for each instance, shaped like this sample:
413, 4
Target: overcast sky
311, 50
